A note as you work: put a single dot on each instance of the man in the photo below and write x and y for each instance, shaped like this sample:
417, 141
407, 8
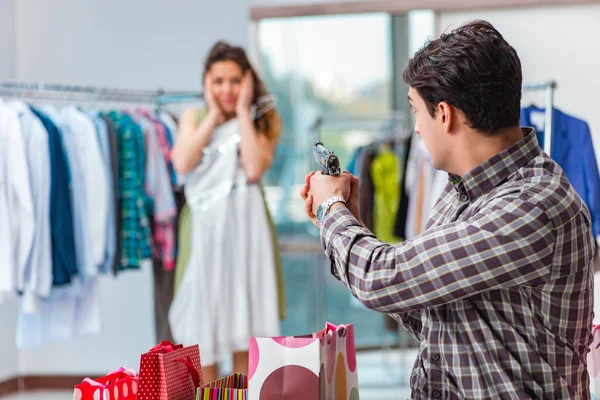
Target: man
499, 288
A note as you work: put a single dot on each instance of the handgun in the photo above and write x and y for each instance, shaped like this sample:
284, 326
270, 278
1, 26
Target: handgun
328, 162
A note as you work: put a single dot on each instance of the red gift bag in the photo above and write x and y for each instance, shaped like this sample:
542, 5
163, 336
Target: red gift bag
170, 372
120, 384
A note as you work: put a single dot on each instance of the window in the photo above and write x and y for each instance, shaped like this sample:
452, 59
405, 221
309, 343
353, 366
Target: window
318, 65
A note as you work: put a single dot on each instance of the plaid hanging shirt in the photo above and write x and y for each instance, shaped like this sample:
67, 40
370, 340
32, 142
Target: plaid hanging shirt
134, 235
498, 289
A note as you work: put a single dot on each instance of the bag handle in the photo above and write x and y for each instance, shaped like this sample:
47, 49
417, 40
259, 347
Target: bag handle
166, 346
126, 371
191, 370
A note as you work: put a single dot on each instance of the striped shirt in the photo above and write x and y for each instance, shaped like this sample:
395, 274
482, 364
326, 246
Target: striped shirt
498, 289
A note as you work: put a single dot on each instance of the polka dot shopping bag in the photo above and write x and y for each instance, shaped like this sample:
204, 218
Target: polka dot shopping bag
121, 384
593, 361
170, 372
320, 366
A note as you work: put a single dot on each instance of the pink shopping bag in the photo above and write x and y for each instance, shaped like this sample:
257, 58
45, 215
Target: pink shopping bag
321, 365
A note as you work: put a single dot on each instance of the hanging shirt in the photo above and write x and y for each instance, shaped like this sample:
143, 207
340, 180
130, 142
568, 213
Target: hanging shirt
61, 212
17, 220
171, 130
96, 175
36, 281
135, 233
158, 188
74, 310
89, 182
114, 162
424, 185
573, 150
164, 139
385, 174
111, 235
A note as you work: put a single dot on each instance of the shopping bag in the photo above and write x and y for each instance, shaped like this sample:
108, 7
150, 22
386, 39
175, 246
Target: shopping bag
233, 387
319, 366
119, 384
593, 361
170, 372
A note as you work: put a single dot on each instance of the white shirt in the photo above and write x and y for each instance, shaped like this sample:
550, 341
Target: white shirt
17, 224
36, 280
75, 310
96, 180
420, 172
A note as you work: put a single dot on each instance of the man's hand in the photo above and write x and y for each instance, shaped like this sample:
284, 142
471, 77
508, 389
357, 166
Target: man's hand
308, 199
353, 201
319, 188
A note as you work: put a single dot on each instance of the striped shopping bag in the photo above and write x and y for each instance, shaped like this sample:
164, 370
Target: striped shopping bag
233, 387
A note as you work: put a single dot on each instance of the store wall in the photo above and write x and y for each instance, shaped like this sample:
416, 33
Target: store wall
559, 43
7, 39
9, 357
8, 310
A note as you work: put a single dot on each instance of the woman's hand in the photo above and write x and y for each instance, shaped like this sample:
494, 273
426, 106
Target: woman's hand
246, 94
214, 111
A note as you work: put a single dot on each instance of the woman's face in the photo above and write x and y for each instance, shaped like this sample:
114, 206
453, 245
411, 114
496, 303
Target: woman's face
225, 82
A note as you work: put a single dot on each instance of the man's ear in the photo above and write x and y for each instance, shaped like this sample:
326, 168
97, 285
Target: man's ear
447, 115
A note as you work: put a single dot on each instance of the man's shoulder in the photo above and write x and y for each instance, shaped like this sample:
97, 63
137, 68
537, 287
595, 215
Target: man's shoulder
543, 183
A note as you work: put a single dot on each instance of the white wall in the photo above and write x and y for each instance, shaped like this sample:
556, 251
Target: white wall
7, 39
8, 311
559, 43
8, 351
127, 332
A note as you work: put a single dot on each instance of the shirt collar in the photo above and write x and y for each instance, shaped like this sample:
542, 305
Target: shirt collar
491, 173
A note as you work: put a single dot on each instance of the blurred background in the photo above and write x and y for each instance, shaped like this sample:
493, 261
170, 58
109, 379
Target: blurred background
335, 68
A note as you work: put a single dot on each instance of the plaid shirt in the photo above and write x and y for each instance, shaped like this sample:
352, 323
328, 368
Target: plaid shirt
135, 235
498, 289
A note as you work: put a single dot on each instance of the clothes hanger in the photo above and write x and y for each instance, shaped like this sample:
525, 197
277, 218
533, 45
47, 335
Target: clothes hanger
263, 105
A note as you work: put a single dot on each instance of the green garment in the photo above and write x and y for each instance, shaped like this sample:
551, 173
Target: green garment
385, 172
184, 245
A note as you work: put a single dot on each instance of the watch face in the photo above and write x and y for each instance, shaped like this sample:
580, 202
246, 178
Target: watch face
320, 213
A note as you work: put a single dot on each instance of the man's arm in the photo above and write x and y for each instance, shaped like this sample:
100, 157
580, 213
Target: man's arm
509, 243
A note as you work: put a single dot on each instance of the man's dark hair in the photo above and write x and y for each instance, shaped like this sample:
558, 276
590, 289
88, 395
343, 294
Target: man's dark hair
473, 69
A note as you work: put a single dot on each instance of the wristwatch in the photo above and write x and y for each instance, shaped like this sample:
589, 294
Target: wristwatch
326, 205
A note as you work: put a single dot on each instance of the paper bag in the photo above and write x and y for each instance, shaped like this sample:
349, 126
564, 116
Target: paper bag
233, 387
120, 384
593, 361
320, 366
170, 372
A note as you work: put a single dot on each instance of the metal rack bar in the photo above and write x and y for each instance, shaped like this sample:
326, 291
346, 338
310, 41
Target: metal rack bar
55, 91
549, 87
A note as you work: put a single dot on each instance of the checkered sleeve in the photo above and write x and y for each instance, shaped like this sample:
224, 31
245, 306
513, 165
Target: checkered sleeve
410, 320
508, 243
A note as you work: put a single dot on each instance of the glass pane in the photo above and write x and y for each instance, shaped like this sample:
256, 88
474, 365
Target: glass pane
317, 65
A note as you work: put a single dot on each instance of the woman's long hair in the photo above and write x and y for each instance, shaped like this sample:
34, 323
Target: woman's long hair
268, 124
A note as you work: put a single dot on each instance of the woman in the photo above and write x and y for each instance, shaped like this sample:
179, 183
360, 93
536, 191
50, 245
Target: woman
228, 292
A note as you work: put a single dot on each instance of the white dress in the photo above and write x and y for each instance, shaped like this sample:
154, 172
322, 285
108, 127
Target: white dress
228, 291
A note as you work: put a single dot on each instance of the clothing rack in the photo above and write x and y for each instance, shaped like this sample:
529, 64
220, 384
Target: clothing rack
549, 87
52, 91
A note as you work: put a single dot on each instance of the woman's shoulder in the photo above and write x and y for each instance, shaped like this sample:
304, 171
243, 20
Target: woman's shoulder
194, 115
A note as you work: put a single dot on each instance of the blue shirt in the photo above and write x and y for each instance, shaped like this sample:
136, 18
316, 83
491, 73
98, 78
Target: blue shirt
64, 264
573, 150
